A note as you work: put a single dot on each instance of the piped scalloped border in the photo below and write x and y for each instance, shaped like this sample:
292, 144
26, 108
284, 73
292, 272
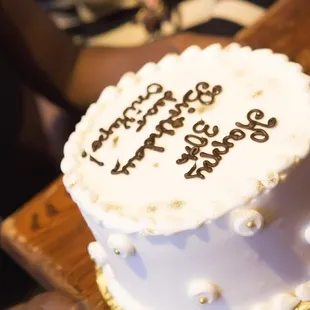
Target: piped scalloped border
89, 202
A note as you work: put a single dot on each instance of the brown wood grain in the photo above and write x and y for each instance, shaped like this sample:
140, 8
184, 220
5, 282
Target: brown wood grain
48, 236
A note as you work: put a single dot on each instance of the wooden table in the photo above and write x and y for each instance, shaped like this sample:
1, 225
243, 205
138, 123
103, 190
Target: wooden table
48, 236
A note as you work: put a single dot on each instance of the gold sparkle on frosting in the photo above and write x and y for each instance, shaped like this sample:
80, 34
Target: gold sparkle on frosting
155, 165
257, 94
152, 209
282, 176
273, 179
72, 184
240, 73
177, 204
149, 231
202, 109
115, 141
98, 270
260, 186
111, 207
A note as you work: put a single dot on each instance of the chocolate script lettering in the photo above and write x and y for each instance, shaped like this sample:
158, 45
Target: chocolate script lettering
259, 135
91, 158
170, 124
196, 141
168, 96
125, 119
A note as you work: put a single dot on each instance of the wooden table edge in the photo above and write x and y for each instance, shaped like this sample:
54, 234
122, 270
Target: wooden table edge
23, 254
243, 34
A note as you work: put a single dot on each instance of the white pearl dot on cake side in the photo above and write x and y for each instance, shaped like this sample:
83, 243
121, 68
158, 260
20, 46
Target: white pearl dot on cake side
203, 291
121, 245
247, 222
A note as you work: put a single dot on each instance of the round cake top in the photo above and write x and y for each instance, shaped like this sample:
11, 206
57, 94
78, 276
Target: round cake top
184, 141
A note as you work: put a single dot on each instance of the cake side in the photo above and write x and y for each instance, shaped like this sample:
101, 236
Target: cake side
230, 262
173, 131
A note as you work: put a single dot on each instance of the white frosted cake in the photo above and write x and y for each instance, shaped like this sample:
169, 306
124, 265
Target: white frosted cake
193, 175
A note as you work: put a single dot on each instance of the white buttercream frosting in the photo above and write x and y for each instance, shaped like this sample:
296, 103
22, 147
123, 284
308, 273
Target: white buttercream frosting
155, 197
263, 306
284, 302
97, 253
302, 291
